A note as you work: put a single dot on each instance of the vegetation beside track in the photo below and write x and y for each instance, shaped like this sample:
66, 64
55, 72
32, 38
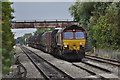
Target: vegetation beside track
8, 40
23, 40
101, 21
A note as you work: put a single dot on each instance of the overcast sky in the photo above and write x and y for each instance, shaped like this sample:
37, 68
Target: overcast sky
39, 11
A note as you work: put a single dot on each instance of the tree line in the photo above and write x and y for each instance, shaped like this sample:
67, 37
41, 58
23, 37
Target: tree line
8, 40
23, 40
101, 22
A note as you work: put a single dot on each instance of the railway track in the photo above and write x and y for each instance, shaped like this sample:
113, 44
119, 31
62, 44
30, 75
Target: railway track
96, 75
96, 71
49, 71
104, 60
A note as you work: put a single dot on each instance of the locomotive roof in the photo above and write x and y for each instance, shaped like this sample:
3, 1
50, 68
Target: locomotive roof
72, 27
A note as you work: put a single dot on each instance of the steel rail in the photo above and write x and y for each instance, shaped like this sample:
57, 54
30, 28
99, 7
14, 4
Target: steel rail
45, 75
98, 67
89, 71
102, 60
92, 72
41, 71
113, 60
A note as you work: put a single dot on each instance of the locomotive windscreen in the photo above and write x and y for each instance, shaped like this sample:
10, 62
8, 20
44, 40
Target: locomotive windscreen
68, 35
74, 35
79, 35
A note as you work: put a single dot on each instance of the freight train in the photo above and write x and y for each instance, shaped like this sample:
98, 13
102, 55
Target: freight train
68, 43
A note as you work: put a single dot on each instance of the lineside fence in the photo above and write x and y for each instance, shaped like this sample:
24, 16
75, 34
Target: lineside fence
108, 53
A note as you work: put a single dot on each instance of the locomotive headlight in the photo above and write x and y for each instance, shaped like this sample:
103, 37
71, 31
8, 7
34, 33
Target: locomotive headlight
65, 45
80, 43
83, 45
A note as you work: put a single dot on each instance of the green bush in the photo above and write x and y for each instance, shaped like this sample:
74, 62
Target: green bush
101, 22
8, 40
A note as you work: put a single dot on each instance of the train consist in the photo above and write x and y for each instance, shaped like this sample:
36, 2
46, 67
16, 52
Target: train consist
68, 42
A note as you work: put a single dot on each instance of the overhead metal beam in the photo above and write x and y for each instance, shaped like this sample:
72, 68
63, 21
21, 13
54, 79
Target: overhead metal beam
42, 24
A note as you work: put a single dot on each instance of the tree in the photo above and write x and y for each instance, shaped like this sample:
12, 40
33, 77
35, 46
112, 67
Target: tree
25, 36
82, 12
107, 28
8, 40
101, 22
22, 40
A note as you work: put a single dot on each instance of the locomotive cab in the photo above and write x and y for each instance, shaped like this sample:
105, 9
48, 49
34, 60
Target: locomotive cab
72, 41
